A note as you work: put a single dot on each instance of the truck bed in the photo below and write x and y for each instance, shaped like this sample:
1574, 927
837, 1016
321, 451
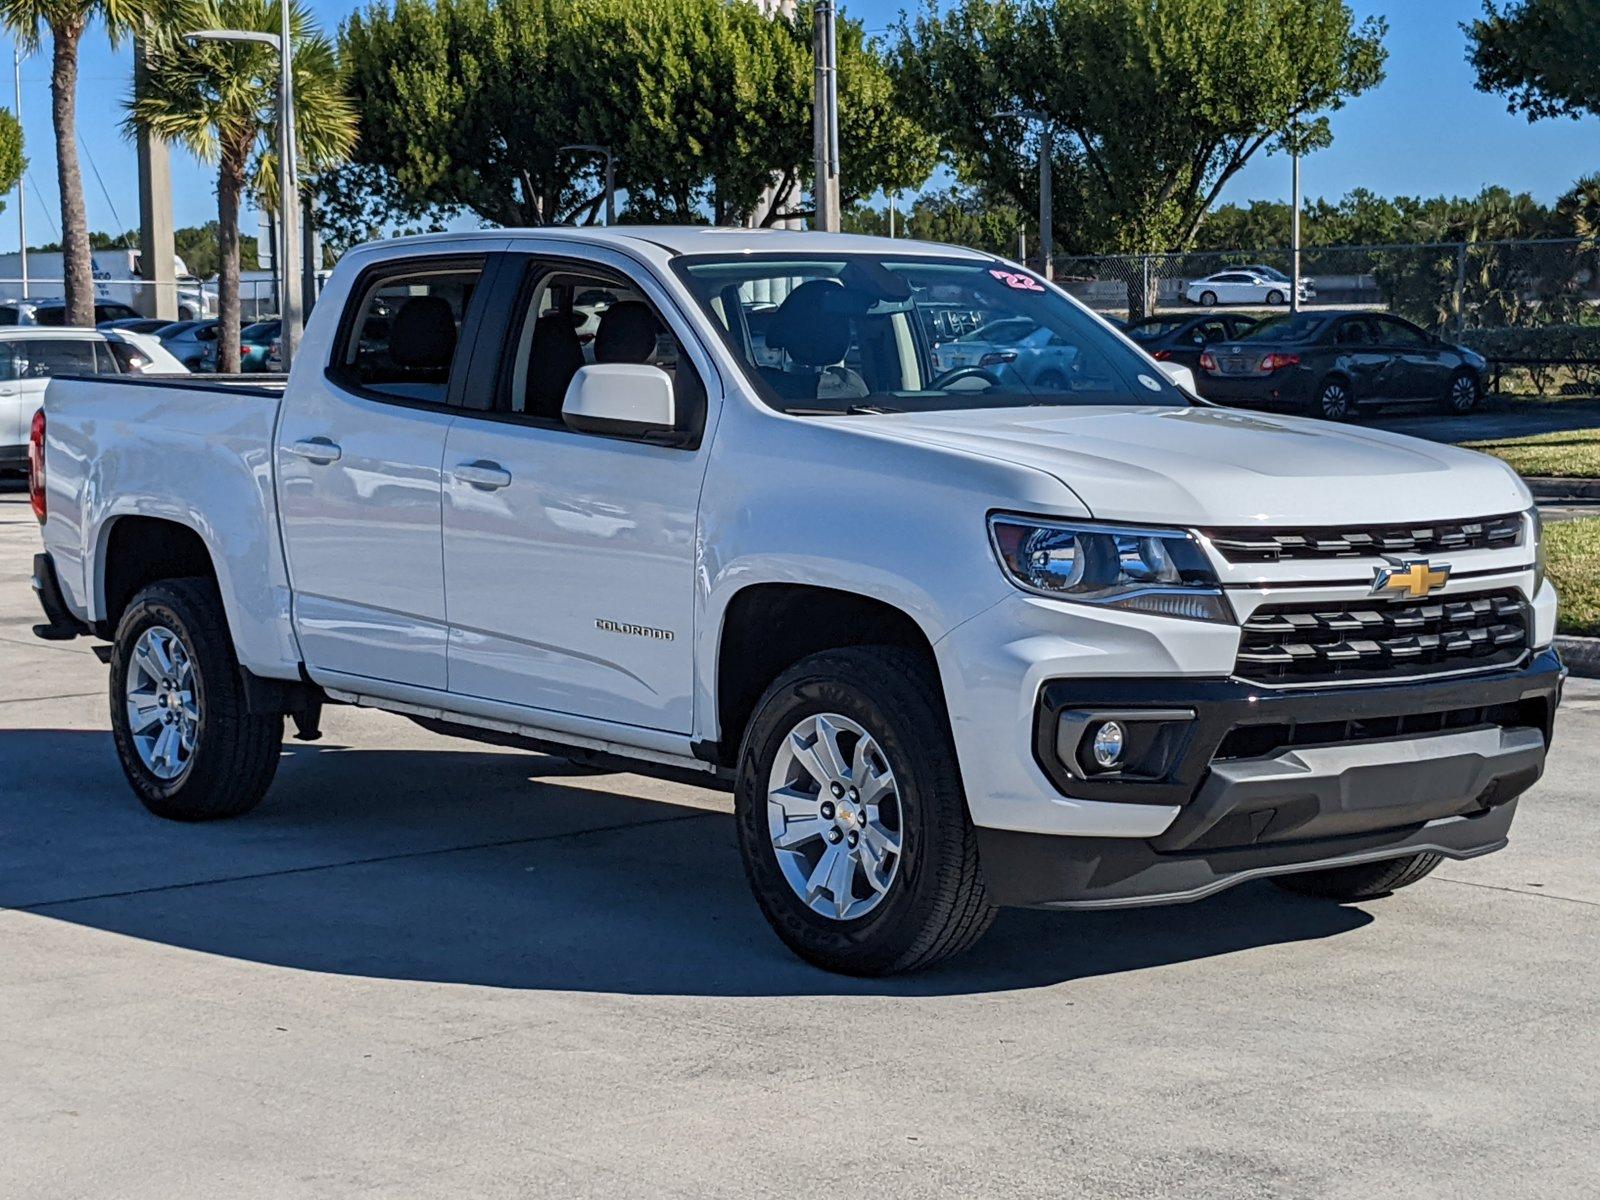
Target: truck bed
193, 450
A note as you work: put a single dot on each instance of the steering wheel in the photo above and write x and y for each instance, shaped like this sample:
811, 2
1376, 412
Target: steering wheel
955, 374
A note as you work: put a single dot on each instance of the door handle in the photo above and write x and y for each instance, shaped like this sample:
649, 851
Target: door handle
490, 476
317, 450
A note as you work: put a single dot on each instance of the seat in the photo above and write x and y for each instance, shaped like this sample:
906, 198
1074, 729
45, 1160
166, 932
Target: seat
422, 337
554, 356
628, 333
811, 327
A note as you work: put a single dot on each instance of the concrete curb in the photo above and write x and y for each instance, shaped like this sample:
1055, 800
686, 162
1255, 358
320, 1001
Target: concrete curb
1546, 487
1581, 654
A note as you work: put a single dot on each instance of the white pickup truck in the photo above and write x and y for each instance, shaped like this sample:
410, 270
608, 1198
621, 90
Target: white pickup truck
702, 499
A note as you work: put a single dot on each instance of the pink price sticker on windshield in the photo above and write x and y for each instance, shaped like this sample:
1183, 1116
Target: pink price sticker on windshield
1022, 283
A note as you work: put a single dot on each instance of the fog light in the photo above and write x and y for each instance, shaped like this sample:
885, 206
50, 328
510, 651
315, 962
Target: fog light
1107, 745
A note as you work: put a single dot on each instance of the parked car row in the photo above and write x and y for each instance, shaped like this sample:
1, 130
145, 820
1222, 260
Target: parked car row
194, 343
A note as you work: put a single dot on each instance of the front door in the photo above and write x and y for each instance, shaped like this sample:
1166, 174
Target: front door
358, 459
570, 557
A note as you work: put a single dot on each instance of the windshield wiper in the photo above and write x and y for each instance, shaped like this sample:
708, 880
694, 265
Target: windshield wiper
855, 410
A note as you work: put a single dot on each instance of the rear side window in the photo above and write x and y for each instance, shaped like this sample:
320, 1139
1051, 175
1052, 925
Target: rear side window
402, 329
8, 315
42, 358
50, 316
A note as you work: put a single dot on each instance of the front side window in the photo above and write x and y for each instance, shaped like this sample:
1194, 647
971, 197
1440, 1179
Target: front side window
1398, 333
869, 333
402, 330
573, 319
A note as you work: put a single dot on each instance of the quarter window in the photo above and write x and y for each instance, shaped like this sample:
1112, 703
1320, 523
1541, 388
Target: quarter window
403, 329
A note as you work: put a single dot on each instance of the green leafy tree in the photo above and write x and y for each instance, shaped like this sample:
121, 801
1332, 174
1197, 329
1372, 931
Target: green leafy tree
199, 247
1544, 55
467, 105
67, 21
219, 100
12, 161
1155, 104
956, 216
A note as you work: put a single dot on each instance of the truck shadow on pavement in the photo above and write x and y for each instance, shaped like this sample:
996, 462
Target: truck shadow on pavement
503, 870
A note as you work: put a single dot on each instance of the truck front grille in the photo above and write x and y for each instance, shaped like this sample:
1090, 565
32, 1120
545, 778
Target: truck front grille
1373, 640
1438, 537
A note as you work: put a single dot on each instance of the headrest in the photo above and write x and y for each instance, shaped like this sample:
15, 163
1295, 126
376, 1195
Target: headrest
627, 333
423, 334
811, 324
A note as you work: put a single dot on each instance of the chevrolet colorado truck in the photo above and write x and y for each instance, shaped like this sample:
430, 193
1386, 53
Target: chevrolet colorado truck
705, 500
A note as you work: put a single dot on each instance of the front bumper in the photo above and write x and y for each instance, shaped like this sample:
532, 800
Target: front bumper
1267, 781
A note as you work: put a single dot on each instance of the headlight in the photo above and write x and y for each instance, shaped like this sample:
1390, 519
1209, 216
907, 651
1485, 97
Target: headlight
1536, 532
1161, 571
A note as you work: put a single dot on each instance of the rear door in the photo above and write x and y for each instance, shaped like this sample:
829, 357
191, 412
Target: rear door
569, 557
1359, 356
358, 458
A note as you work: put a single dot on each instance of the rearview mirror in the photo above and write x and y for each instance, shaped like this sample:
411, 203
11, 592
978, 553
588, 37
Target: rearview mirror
620, 399
1180, 375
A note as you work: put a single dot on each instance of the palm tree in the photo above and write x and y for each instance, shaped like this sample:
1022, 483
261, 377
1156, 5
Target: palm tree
219, 99
66, 20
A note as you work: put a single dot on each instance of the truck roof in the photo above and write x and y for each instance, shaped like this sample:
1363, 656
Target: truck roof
709, 239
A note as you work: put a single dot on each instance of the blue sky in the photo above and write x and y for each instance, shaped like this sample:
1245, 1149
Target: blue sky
1424, 130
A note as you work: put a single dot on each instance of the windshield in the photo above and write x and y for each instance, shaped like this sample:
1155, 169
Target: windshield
856, 333
1299, 328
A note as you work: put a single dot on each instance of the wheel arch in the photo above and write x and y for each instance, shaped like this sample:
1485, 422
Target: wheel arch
767, 627
134, 551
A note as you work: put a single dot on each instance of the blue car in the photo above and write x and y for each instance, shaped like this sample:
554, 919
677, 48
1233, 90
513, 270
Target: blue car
1042, 359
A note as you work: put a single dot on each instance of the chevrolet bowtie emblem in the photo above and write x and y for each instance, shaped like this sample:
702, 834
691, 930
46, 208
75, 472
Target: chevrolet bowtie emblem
1414, 578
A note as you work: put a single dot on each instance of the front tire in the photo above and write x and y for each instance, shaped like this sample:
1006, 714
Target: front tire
1463, 394
851, 818
1274, 298
1208, 299
188, 744
1365, 881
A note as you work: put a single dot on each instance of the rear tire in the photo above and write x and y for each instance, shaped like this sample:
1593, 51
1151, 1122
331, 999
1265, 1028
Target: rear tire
894, 779
187, 743
1463, 394
1365, 881
1334, 402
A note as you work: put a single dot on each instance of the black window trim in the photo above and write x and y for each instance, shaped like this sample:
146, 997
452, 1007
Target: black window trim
336, 370
494, 364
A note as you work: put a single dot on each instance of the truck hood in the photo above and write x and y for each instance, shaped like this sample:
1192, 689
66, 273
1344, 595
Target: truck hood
1220, 466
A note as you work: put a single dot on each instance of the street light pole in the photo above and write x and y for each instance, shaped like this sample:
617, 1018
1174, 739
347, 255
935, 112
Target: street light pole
288, 255
825, 117
1046, 201
1294, 226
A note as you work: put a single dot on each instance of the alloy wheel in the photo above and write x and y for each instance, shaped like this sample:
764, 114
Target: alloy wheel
1335, 402
1463, 393
163, 709
834, 816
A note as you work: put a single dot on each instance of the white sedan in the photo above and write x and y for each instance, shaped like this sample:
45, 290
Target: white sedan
31, 354
1242, 286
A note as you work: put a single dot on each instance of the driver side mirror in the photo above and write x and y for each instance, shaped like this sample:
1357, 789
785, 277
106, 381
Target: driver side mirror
622, 400
1180, 375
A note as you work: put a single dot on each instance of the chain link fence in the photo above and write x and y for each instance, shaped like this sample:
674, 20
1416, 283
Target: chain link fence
38, 299
1531, 306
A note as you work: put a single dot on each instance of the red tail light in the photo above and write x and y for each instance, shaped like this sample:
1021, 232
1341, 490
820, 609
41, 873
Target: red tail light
1161, 355
1277, 362
1208, 361
36, 466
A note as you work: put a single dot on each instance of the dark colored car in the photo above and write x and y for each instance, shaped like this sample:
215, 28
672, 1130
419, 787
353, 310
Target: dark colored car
1329, 364
1182, 339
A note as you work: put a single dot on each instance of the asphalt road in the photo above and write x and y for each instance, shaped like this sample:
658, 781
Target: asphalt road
425, 968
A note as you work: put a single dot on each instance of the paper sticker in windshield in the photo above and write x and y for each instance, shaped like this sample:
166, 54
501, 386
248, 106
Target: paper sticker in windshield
1014, 279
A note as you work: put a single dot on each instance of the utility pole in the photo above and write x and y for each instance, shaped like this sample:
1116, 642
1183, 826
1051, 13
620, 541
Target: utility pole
1294, 225
825, 118
288, 194
22, 180
1046, 200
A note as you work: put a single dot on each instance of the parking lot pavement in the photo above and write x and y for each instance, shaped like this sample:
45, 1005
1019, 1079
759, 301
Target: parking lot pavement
1497, 419
426, 967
